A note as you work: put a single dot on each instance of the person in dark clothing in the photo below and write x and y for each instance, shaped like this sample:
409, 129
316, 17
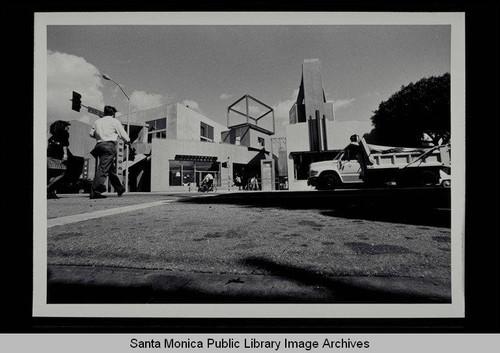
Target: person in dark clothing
57, 156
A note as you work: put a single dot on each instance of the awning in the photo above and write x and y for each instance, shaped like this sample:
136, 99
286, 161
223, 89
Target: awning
185, 157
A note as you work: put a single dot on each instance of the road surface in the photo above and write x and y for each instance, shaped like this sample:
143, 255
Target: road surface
345, 246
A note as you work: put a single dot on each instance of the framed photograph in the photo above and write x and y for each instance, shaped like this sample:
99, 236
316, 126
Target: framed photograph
229, 171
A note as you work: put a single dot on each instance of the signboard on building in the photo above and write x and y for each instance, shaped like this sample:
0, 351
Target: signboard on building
120, 159
184, 157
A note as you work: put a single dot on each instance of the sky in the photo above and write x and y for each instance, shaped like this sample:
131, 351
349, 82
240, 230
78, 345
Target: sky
209, 67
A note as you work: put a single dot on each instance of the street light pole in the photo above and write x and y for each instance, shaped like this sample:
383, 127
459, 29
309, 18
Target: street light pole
106, 77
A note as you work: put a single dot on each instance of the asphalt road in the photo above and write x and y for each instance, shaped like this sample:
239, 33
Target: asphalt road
361, 246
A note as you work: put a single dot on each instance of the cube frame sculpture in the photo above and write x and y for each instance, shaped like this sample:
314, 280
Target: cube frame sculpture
250, 119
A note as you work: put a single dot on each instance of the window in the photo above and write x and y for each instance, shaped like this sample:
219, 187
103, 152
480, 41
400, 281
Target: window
175, 173
181, 173
157, 129
206, 132
351, 153
261, 141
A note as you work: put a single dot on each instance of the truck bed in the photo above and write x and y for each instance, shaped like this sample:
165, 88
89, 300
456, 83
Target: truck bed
399, 158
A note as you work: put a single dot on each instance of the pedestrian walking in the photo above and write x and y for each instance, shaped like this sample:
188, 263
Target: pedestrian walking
237, 181
254, 183
106, 131
57, 156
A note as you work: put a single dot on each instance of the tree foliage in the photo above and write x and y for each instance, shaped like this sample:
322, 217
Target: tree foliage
415, 110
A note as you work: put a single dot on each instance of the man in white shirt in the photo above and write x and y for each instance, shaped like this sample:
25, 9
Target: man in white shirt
207, 182
106, 131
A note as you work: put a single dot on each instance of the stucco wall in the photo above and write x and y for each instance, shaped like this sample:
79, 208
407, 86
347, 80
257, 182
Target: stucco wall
248, 137
159, 165
148, 114
338, 133
188, 124
253, 136
297, 137
183, 123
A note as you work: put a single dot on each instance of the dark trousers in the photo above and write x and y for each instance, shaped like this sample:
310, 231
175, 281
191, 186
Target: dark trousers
55, 178
106, 152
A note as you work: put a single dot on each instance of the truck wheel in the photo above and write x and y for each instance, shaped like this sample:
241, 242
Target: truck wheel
428, 178
329, 182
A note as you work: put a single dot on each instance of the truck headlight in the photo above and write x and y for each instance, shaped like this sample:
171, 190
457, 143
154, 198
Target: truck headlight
445, 177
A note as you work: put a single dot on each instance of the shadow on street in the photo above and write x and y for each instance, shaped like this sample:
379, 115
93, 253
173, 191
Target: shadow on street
283, 284
418, 206
342, 289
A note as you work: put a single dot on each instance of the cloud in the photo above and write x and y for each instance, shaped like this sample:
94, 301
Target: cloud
281, 113
256, 111
225, 96
192, 105
342, 103
89, 119
373, 94
140, 100
67, 73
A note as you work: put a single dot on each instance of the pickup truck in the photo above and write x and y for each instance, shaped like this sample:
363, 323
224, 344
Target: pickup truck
362, 164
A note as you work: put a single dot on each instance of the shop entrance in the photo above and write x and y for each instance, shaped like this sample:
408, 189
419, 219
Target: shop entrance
189, 170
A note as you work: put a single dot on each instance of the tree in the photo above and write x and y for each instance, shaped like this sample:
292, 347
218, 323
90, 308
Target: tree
416, 110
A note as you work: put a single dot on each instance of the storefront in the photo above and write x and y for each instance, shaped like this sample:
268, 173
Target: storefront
189, 170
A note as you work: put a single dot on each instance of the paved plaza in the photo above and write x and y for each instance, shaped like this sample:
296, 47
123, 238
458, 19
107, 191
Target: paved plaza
250, 247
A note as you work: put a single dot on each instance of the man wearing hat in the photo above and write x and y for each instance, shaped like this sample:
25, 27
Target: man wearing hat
106, 131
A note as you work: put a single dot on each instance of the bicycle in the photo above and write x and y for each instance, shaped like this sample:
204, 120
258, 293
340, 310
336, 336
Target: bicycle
205, 188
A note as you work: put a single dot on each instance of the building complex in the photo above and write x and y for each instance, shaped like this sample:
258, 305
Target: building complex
177, 146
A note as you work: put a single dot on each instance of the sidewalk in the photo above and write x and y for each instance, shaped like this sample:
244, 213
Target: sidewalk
77, 284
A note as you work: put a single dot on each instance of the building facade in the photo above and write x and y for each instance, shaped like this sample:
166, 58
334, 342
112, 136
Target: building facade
182, 146
177, 146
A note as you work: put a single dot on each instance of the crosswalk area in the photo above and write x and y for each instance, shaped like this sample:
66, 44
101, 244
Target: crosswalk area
52, 222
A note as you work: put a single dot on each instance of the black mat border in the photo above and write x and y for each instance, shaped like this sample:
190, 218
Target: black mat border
482, 211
